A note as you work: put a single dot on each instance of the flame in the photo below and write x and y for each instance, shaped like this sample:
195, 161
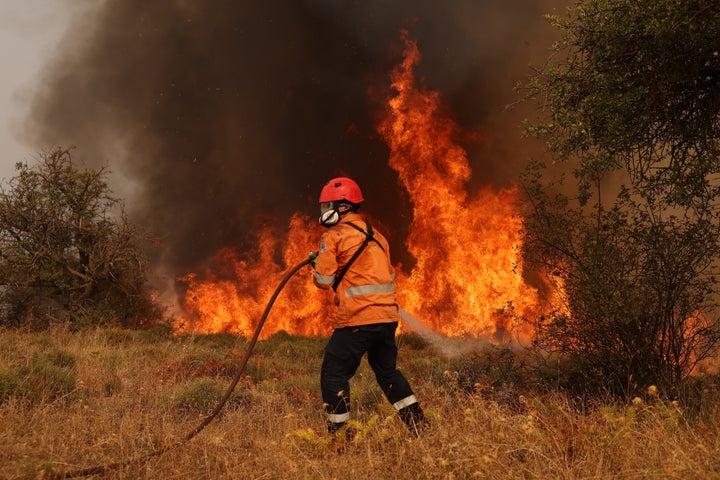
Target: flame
468, 249
233, 292
468, 269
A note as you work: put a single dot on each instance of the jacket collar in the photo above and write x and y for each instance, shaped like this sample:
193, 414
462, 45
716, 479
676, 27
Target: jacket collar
350, 217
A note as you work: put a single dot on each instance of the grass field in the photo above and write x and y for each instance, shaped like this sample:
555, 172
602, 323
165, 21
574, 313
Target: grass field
71, 400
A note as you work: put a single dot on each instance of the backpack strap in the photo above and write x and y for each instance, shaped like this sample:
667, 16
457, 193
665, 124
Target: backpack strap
368, 236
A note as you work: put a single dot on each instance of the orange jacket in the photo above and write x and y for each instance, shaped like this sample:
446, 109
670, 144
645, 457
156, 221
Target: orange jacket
366, 293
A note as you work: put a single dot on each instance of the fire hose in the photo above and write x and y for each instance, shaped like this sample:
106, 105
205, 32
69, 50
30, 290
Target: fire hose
209, 418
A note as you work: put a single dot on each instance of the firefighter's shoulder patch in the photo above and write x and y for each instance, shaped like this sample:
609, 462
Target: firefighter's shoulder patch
323, 247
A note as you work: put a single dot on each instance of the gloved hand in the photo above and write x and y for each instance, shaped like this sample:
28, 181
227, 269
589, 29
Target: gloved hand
312, 256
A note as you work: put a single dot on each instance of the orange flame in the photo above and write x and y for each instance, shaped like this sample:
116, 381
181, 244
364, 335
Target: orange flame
468, 248
234, 300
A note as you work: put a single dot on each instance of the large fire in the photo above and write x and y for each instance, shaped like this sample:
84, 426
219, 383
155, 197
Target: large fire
232, 294
467, 279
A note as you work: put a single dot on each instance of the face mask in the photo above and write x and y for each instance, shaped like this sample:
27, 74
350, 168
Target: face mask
329, 218
332, 212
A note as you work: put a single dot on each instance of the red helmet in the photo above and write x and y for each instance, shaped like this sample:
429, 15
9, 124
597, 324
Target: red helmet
341, 188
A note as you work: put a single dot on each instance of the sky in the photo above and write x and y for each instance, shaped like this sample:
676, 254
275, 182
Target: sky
29, 34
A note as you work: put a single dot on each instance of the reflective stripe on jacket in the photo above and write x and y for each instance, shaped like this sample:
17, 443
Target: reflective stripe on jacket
366, 293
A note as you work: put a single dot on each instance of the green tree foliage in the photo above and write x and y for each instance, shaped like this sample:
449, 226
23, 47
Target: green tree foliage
67, 250
632, 97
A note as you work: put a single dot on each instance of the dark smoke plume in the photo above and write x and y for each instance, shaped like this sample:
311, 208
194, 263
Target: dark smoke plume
213, 116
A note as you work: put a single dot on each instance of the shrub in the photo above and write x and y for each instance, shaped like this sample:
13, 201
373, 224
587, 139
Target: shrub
45, 380
495, 371
10, 386
68, 251
200, 396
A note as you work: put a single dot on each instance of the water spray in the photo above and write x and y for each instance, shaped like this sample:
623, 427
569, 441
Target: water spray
449, 347
112, 466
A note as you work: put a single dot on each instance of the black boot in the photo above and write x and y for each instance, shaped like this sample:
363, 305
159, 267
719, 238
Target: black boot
413, 417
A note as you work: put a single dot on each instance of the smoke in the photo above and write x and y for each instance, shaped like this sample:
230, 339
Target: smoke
216, 117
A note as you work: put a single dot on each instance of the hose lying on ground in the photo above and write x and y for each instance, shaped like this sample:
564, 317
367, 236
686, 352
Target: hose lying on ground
111, 466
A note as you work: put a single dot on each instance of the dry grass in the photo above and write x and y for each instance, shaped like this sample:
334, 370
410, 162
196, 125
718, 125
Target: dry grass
76, 400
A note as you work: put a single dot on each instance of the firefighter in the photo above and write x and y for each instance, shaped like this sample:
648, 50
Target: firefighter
354, 260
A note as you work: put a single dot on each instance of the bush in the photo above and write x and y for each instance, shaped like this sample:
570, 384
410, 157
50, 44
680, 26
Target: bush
47, 381
38, 370
625, 221
496, 372
10, 386
67, 250
201, 396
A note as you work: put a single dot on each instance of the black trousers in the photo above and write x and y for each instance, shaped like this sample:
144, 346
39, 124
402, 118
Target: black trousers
342, 358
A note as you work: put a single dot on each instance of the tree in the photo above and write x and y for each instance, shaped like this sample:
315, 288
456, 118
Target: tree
632, 97
67, 249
